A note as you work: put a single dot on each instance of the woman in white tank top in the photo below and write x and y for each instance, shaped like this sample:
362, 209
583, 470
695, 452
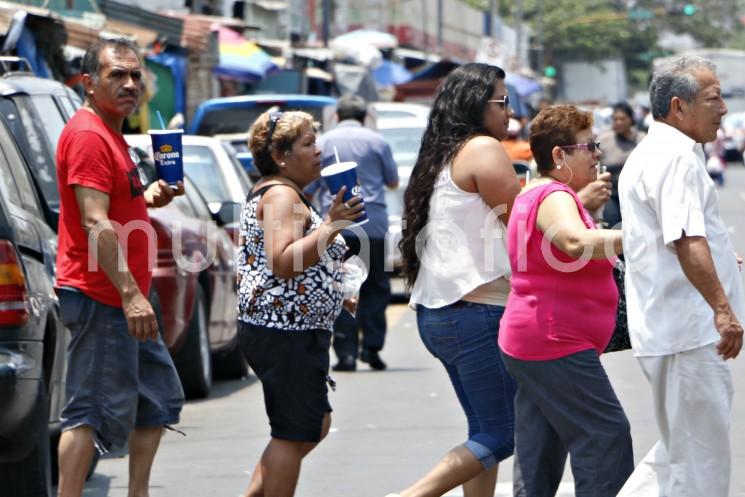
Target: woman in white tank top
455, 260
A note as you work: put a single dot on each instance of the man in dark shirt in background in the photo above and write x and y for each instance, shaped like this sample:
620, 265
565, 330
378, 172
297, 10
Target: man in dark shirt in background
376, 170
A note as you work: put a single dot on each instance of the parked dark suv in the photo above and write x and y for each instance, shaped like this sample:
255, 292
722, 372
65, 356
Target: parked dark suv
32, 338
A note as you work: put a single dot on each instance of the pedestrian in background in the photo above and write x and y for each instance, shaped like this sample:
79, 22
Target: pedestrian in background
616, 144
455, 260
560, 317
121, 384
376, 171
289, 294
684, 294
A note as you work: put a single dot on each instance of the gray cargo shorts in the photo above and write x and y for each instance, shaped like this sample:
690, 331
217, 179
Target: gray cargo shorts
114, 381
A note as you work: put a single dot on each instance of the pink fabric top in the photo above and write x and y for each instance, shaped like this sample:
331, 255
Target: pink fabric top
558, 305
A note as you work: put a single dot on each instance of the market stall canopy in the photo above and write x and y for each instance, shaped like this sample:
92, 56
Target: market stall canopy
241, 59
378, 39
523, 85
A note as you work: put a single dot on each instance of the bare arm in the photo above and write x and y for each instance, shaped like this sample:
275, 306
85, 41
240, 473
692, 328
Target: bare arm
559, 220
694, 255
483, 166
285, 218
94, 216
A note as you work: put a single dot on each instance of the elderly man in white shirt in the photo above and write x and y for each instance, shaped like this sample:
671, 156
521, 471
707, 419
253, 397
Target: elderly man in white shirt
684, 293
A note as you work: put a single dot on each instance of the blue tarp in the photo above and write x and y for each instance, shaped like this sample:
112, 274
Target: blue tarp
177, 65
26, 47
524, 86
390, 74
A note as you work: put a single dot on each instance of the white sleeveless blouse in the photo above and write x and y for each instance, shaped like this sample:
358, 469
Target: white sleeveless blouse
463, 246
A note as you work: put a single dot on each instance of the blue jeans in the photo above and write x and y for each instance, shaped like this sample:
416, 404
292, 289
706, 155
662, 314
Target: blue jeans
463, 336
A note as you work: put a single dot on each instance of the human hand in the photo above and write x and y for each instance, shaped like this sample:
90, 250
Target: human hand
730, 331
342, 212
141, 319
597, 193
159, 193
350, 305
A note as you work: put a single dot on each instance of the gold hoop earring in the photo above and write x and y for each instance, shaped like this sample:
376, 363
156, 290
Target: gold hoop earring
571, 177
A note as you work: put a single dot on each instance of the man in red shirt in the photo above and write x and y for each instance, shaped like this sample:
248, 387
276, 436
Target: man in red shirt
121, 382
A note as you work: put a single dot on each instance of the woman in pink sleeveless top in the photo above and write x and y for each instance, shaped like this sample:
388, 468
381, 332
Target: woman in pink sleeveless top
559, 318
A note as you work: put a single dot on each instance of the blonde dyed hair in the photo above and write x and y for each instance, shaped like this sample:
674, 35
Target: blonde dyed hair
286, 130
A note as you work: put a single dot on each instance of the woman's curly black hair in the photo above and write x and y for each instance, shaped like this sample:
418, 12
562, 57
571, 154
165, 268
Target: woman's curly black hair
457, 115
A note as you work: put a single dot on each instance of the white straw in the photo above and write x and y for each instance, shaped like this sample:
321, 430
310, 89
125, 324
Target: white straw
336, 154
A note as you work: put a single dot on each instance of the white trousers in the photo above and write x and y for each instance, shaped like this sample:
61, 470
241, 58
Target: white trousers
692, 393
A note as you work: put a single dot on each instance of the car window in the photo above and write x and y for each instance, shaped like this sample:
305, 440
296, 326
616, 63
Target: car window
240, 146
8, 188
198, 204
54, 120
392, 114
184, 205
200, 164
29, 134
404, 143
67, 105
20, 173
243, 178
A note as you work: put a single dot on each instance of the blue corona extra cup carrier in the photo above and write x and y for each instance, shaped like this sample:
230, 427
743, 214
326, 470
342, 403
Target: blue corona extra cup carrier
344, 173
168, 155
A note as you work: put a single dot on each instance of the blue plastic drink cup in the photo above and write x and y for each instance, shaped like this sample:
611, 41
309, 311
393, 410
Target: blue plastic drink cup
344, 174
168, 155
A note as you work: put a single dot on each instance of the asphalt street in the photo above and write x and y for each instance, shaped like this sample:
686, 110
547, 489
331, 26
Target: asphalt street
388, 427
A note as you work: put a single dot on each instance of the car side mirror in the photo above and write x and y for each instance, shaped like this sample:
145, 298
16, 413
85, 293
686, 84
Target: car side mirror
229, 212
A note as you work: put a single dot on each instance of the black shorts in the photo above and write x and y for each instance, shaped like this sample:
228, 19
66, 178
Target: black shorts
293, 369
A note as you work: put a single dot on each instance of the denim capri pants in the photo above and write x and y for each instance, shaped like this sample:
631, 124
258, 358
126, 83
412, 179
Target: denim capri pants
463, 336
114, 381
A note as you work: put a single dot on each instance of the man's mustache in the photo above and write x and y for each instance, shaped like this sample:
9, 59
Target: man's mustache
128, 93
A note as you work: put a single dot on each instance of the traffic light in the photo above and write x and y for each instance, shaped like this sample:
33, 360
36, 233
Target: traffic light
689, 9
549, 71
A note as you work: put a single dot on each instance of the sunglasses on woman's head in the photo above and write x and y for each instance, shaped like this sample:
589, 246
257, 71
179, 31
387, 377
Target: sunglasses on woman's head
505, 101
274, 118
591, 147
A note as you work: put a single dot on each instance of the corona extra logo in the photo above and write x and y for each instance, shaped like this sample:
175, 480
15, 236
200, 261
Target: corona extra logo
165, 148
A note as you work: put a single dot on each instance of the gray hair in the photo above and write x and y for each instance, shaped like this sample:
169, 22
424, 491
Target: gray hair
92, 59
351, 107
675, 78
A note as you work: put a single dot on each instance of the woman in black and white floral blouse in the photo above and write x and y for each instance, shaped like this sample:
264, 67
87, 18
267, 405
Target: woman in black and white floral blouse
289, 293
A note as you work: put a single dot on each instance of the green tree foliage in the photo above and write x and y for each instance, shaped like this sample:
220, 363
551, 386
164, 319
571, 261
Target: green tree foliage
477, 4
583, 29
714, 23
597, 29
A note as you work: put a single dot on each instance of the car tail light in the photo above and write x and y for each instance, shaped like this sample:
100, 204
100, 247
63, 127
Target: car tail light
13, 296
